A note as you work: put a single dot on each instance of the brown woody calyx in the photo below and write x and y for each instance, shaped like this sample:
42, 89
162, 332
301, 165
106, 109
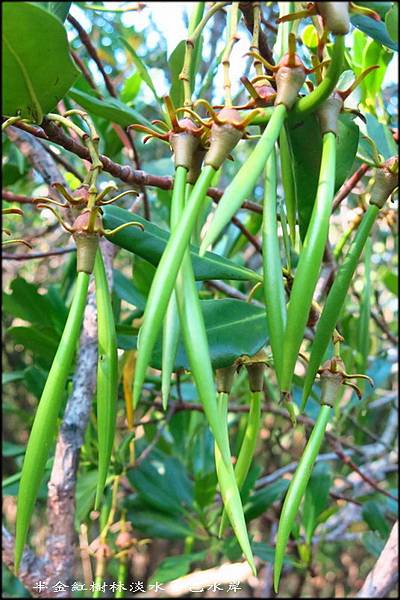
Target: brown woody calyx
386, 181
289, 78
224, 136
185, 143
86, 240
335, 16
328, 113
224, 378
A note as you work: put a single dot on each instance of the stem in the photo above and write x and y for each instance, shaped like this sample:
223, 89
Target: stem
245, 179
297, 488
255, 39
232, 29
68, 123
325, 88
165, 277
274, 293
190, 43
45, 423
309, 264
336, 297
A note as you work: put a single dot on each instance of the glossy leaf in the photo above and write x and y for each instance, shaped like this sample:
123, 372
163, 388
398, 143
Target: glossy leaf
375, 518
38, 67
392, 22
375, 29
58, 9
112, 109
141, 68
306, 144
261, 500
150, 244
175, 63
161, 481
175, 566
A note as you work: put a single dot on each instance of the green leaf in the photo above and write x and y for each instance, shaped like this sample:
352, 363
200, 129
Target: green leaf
125, 290
142, 69
162, 483
175, 566
35, 379
26, 303
260, 501
392, 22
306, 142
36, 61
131, 87
380, 7
58, 9
175, 63
372, 543
112, 109
40, 342
309, 37
316, 498
375, 29
150, 244
84, 495
11, 377
375, 518
371, 87
391, 281
378, 132
233, 328
155, 524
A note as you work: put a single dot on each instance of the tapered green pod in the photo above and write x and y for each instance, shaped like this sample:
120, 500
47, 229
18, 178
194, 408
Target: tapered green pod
171, 322
165, 277
297, 488
107, 374
274, 293
196, 345
44, 426
309, 264
335, 300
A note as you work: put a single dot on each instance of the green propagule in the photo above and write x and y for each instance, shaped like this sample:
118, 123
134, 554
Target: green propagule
215, 140
200, 148
86, 230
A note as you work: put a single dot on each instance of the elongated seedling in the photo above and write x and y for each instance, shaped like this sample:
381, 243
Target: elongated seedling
171, 321
297, 488
165, 277
274, 293
45, 424
107, 374
197, 350
309, 264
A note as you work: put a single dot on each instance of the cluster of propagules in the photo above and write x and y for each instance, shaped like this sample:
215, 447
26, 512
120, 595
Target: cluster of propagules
200, 145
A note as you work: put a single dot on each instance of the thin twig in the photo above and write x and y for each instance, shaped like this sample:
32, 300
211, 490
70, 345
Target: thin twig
349, 185
38, 254
87, 42
347, 461
51, 132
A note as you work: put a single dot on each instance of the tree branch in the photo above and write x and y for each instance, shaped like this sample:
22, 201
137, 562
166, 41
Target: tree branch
384, 576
